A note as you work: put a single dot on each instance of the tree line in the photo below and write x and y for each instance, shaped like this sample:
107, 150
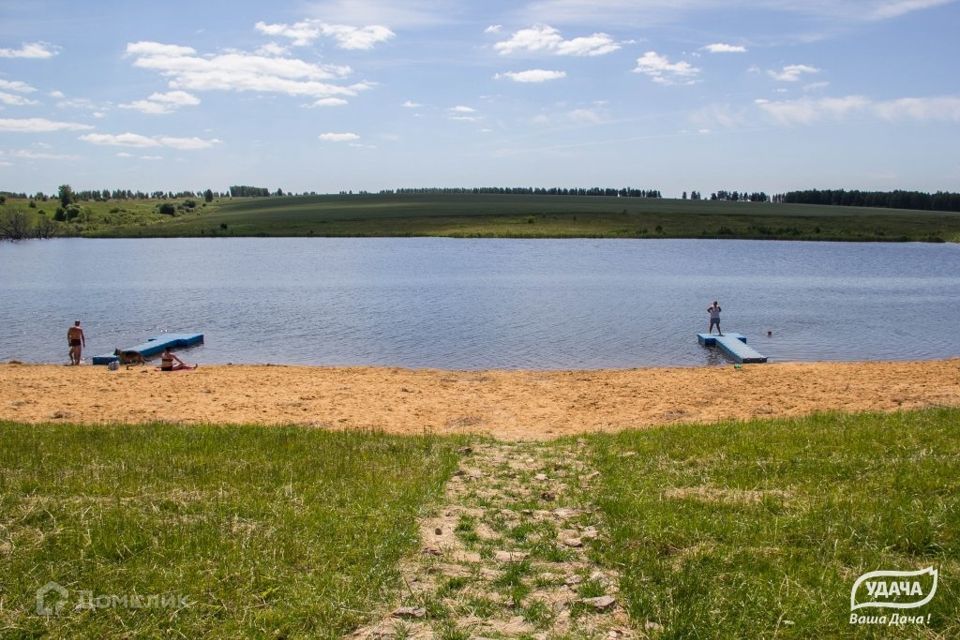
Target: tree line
899, 199
625, 192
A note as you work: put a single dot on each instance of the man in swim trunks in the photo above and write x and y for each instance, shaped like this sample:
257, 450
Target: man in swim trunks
77, 342
714, 311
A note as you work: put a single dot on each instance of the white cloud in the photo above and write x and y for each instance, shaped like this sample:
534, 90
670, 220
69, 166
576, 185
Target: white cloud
531, 75
659, 69
329, 102
39, 125
146, 48
587, 116
462, 109
792, 72
338, 137
13, 100
494, 28
151, 157
347, 37
547, 39
140, 141
937, 108
406, 14
163, 103
410, 104
816, 86
895, 8
16, 85
30, 154
722, 47
241, 72
57, 94
38, 50
807, 111
124, 154
272, 49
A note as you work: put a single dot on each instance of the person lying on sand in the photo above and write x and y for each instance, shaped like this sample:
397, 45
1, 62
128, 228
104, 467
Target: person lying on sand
167, 362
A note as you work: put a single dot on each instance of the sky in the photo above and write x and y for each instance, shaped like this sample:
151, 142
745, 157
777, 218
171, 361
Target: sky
331, 95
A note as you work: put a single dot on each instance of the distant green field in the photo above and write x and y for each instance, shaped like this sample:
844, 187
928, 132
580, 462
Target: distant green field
510, 216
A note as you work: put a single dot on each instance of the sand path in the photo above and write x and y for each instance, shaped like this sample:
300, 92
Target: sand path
512, 405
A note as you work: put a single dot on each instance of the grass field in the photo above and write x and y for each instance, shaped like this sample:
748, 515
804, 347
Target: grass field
759, 529
508, 216
279, 533
736, 530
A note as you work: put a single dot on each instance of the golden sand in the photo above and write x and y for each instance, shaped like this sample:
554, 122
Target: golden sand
504, 404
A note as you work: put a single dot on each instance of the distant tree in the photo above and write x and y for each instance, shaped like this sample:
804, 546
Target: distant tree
208, 196
15, 225
167, 209
684, 195
65, 193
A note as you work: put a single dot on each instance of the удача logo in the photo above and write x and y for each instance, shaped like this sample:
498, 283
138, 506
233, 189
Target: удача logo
893, 590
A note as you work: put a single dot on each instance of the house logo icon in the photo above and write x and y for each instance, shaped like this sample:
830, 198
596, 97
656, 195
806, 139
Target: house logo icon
50, 599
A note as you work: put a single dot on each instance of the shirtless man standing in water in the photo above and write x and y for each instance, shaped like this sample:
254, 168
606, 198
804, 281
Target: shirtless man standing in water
77, 342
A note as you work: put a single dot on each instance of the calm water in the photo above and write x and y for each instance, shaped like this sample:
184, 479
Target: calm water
480, 303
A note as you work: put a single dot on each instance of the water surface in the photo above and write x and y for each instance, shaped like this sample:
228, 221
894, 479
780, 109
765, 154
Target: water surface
467, 304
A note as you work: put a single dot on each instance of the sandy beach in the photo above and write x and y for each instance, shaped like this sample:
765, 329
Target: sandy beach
510, 405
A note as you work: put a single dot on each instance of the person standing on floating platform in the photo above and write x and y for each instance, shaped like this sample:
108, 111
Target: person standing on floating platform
714, 311
77, 342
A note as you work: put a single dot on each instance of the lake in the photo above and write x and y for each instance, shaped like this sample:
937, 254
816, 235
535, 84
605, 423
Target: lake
473, 304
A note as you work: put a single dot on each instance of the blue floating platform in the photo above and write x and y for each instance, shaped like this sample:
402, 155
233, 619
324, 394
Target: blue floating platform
155, 345
734, 345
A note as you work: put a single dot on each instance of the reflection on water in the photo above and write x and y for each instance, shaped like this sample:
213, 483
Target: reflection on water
433, 302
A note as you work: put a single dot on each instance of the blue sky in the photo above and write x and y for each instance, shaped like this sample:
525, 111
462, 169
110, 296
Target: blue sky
369, 94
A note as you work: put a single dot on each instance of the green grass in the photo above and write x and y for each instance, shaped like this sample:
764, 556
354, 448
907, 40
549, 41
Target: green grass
269, 532
508, 216
835, 496
737, 530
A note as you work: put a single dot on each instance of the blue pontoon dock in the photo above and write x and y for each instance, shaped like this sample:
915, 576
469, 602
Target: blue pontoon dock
733, 345
155, 345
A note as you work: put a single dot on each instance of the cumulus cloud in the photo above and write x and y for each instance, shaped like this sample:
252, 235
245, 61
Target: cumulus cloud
531, 75
338, 137
792, 72
462, 109
162, 103
241, 72
347, 37
410, 104
39, 125
39, 50
329, 102
722, 47
544, 38
272, 49
14, 100
659, 69
494, 28
16, 85
143, 142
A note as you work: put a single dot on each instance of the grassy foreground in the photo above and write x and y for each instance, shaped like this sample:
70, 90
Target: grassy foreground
277, 532
759, 529
737, 530
504, 216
